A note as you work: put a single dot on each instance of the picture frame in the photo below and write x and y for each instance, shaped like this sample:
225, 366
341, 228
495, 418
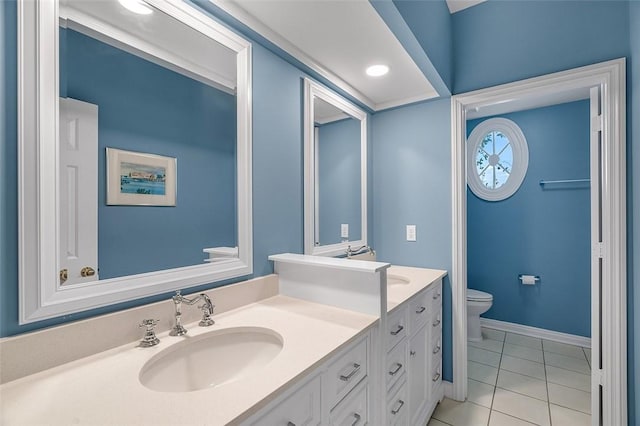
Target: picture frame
140, 179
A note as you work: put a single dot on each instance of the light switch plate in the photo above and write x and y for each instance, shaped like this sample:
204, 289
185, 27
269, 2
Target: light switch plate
411, 232
344, 230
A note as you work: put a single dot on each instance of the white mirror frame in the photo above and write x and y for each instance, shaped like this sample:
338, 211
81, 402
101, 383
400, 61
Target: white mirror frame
40, 294
311, 90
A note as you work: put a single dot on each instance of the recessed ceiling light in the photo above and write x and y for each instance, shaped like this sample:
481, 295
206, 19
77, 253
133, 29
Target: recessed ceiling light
377, 70
137, 6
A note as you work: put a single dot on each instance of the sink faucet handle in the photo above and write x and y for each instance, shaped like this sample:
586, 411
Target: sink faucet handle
149, 323
150, 338
207, 311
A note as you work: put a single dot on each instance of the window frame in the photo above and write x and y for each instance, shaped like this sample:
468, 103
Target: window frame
520, 150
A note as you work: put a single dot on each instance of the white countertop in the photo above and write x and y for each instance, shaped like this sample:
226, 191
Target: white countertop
330, 262
419, 279
104, 388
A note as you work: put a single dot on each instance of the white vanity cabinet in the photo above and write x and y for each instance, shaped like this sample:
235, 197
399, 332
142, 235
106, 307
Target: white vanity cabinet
412, 398
336, 393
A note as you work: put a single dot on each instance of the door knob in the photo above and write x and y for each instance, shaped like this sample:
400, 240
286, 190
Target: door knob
64, 275
87, 271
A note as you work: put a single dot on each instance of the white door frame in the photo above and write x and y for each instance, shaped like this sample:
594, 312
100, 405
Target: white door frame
610, 77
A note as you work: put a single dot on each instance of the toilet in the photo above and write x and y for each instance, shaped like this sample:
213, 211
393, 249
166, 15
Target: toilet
478, 302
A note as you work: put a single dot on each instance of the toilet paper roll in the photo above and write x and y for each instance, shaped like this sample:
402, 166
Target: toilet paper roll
528, 279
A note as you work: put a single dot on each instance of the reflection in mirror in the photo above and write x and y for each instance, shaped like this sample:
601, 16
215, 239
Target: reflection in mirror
337, 154
152, 112
335, 173
135, 150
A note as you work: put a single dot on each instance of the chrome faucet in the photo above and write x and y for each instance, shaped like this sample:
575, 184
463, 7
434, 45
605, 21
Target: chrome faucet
359, 250
206, 307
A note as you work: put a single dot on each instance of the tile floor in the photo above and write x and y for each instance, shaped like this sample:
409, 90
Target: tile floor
517, 380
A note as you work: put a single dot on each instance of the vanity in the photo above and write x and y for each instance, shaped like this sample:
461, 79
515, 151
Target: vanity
322, 364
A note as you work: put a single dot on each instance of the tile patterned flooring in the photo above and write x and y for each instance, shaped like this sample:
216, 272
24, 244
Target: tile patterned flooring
517, 380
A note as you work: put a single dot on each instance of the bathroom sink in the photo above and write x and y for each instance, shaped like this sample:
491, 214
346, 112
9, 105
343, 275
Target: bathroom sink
393, 280
212, 359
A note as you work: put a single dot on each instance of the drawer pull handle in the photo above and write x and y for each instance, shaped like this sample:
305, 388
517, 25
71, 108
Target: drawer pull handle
397, 330
412, 353
436, 350
395, 371
356, 368
437, 323
397, 410
421, 310
436, 296
436, 377
357, 419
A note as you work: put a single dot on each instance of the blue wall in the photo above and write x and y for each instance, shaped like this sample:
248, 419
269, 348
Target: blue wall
147, 108
339, 180
430, 22
538, 231
502, 41
412, 185
277, 159
8, 167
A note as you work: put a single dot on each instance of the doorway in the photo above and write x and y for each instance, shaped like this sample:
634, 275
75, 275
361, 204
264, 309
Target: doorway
604, 85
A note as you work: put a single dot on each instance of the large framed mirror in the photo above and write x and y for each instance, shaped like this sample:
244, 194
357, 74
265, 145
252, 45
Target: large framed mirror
134, 152
335, 150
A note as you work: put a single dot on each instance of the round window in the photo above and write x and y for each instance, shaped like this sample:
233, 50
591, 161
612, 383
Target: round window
497, 159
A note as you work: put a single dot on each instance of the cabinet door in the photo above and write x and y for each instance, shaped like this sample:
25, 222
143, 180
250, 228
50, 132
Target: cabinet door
418, 373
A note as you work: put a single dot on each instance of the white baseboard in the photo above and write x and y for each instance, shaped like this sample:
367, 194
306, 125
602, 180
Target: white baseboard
448, 389
541, 333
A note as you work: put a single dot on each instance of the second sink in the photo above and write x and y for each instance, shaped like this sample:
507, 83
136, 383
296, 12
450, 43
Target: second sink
393, 280
211, 359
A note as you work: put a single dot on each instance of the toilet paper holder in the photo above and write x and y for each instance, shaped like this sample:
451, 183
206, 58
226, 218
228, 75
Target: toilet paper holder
528, 279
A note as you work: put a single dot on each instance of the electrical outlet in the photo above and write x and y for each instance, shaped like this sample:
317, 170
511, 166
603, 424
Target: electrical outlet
411, 233
344, 230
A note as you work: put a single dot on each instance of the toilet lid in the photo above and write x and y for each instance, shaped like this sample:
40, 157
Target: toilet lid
478, 296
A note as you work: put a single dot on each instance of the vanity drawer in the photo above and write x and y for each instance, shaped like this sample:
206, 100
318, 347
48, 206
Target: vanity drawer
435, 376
346, 371
436, 323
354, 409
396, 327
396, 363
436, 295
436, 345
302, 408
397, 406
419, 311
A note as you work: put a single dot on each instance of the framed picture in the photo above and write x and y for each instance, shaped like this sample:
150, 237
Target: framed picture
139, 179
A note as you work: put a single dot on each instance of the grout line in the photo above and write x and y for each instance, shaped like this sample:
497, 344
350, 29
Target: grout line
572, 409
485, 364
585, 355
516, 417
546, 382
485, 349
493, 397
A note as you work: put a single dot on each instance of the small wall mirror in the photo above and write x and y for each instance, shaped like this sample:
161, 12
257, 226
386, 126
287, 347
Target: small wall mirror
135, 152
335, 134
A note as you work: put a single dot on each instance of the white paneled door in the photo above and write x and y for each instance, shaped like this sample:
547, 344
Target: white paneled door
78, 251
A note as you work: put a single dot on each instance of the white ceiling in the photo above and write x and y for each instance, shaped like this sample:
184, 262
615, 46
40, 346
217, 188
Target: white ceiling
458, 5
157, 37
339, 39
